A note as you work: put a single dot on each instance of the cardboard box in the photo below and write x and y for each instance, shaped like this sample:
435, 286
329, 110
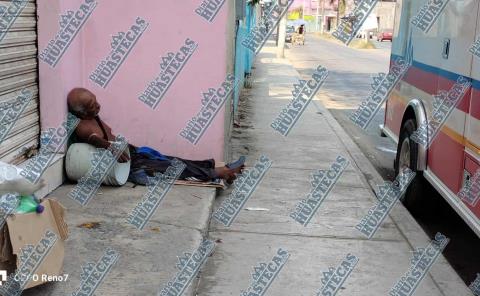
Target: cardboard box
24, 229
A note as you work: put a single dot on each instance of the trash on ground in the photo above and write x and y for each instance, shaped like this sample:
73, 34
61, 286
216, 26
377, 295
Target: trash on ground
89, 225
29, 204
256, 209
28, 229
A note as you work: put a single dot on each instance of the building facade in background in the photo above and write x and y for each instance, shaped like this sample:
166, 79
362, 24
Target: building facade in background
314, 11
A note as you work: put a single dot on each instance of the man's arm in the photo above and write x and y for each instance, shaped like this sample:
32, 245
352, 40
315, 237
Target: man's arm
97, 141
87, 135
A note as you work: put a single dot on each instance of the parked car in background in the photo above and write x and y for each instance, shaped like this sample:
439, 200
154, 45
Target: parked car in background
385, 34
289, 33
290, 30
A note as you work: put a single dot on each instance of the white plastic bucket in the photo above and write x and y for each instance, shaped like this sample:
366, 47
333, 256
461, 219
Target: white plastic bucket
79, 161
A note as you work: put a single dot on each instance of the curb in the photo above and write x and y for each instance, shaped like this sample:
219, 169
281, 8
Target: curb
193, 289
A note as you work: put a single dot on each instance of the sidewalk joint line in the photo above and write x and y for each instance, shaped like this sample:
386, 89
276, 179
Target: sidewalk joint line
219, 230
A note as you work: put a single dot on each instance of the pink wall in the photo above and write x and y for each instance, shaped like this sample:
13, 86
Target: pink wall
169, 25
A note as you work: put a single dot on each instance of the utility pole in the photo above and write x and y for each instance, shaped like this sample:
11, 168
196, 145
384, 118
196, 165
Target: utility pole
317, 19
282, 26
338, 13
303, 10
278, 32
322, 28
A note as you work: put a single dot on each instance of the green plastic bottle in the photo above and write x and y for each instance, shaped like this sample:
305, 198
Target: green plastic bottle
28, 205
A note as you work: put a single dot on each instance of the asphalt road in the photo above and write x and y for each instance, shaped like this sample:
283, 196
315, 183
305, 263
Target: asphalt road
382, 45
348, 83
350, 76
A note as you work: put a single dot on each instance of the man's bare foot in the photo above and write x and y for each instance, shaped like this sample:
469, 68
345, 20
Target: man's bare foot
238, 170
231, 178
228, 174
222, 173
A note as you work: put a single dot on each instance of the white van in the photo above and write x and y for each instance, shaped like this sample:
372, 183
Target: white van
438, 59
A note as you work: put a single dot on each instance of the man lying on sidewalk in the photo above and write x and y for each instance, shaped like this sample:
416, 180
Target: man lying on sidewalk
144, 160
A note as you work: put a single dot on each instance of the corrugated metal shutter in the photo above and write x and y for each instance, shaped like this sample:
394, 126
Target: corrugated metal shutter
19, 70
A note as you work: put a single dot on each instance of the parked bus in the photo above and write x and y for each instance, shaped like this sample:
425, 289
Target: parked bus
438, 59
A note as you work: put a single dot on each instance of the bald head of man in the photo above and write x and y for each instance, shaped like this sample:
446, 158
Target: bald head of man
83, 103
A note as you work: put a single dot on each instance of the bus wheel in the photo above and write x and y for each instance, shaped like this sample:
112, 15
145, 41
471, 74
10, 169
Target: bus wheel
407, 156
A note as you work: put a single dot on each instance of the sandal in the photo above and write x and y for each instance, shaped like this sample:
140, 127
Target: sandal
237, 164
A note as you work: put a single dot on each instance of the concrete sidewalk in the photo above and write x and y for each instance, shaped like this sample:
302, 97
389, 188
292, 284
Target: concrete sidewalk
255, 236
148, 257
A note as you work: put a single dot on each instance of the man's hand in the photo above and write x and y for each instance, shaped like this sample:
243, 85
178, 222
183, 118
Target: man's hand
98, 142
124, 157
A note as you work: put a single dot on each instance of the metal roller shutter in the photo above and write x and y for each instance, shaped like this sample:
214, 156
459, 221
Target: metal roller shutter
19, 71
